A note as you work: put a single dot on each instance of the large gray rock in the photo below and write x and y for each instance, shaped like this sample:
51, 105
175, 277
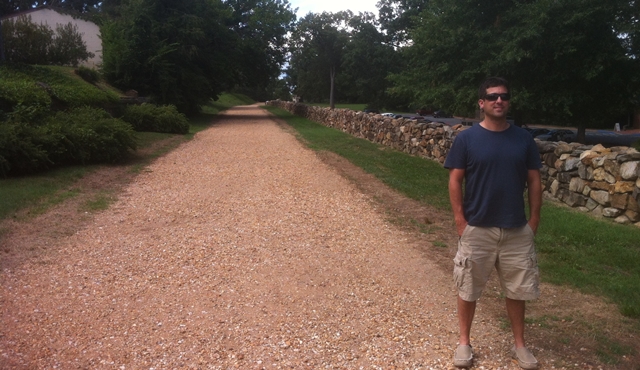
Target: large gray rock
585, 172
553, 189
577, 185
565, 177
629, 156
570, 164
611, 212
575, 200
591, 204
630, 170
602, 197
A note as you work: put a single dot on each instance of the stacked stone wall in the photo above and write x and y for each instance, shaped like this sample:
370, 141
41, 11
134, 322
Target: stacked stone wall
602, 181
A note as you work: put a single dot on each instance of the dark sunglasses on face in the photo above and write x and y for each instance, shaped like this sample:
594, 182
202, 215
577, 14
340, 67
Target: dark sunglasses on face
494, 97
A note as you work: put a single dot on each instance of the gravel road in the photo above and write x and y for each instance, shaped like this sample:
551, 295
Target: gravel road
240, 249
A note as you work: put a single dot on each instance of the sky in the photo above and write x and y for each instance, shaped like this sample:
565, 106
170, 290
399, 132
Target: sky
318, 6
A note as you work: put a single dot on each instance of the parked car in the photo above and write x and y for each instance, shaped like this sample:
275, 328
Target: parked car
535, 132
424, 111
441, 114
559, 135
392, 115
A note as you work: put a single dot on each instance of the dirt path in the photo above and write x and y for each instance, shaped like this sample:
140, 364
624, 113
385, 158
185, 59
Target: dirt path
243, 249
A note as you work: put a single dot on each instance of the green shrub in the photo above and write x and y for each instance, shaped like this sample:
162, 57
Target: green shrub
152, 118
88, 74
81, 136
87, 135
20, 151
36, 85
636, 145
22, 100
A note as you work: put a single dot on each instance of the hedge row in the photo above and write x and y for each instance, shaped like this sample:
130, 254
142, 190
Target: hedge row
81, 136
149, 117
48, 118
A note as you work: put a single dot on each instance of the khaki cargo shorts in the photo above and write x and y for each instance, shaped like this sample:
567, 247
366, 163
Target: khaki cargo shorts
512, 253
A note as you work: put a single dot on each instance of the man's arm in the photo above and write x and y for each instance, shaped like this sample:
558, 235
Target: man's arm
456, 177
535, 198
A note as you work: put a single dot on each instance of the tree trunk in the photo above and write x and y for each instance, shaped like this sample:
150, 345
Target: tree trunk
582, 133
332, 76
2, 57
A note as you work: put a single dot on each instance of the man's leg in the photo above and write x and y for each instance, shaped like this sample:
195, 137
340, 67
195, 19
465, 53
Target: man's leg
463, 356
466, 311
515, 311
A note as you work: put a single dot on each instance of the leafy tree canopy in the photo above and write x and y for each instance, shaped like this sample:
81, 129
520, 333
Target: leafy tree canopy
318, 43
185, 53
568, 61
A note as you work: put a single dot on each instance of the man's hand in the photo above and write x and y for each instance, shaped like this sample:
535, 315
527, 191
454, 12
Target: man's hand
460, 226
533, 224
535, 198
456, 177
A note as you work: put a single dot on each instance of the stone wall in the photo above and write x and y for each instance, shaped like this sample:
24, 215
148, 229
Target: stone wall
602, 181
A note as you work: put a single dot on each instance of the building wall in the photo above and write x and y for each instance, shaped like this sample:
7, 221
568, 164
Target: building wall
90, 31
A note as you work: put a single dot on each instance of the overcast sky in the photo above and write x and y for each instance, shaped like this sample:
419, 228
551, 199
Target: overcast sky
318, 6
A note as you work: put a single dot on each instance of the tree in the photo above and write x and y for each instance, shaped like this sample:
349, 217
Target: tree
317, 49
178, 53
261, 27
575, 46
398, 17
559, 55
187, 52
366, 62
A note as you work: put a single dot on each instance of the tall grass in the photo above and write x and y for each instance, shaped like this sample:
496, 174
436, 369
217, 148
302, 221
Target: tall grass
595, 256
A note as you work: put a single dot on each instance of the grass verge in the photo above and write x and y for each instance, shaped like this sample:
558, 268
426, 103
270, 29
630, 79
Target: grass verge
38, 192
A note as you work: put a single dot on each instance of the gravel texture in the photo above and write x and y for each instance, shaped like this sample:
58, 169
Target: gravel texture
241, 249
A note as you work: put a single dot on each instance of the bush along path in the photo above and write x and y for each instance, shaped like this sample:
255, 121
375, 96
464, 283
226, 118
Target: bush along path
243, 249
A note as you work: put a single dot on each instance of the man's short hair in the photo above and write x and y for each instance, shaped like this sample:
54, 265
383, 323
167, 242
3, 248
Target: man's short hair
492, 82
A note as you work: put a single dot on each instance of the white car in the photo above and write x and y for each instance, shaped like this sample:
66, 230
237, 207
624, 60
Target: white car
392, 115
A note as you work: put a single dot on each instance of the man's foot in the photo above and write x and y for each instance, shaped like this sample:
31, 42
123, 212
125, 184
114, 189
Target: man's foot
463, 356
525, 358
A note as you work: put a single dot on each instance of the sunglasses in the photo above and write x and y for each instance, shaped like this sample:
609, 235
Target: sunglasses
494, 97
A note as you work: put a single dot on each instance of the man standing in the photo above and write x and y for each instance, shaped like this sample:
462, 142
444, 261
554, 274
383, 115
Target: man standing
495, 160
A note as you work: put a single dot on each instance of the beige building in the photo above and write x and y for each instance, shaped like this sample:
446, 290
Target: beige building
90, 31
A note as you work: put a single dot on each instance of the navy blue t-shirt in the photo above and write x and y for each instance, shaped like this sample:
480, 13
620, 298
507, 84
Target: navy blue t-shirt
496, 165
